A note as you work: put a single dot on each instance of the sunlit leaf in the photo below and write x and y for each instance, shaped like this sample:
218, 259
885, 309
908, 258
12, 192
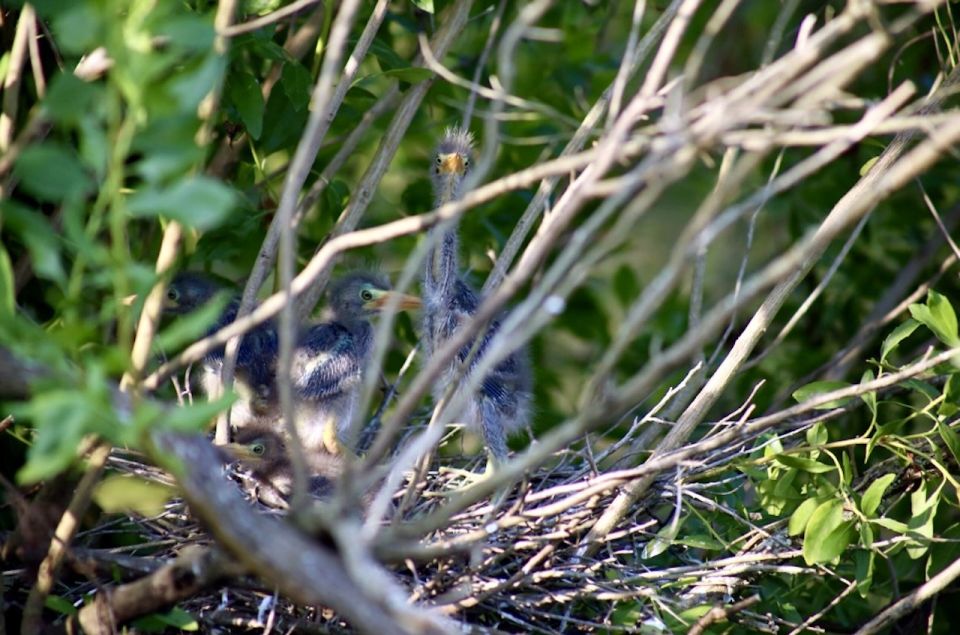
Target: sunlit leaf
898, 334
121, 494
826, 534
38, 162
937, 315
801, 516
874, 494
813, 389
804, 464
199, 202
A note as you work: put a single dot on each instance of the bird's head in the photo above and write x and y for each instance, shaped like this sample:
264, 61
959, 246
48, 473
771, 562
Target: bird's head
189, 291
258, 449
451, 164
359, 295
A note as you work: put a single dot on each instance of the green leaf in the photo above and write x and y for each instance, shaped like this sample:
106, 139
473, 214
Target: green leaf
804, 464
863, 563
938, 316
69, 98
892, 525
825, 520
297, 84
40, 238
60, 604
817, 435
424, 5
8, 291
801, 516
811, 390
899, 334
37, 164
950, 438
161, 622
701, 541
195, 417
662, 541
244, 93
199, 202
869, 398
874, 494
122, 494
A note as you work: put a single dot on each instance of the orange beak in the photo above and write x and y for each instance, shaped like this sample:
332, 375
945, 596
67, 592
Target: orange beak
404, 302
452, 164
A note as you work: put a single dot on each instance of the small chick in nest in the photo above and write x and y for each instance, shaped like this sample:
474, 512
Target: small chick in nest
264, 452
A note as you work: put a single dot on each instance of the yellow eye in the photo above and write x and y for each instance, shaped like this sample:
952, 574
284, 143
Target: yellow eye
366, 295
258, 449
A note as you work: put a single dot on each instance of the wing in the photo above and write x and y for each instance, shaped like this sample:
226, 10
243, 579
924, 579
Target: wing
328, 360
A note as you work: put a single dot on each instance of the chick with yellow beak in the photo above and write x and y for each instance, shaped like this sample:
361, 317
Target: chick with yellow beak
330, 357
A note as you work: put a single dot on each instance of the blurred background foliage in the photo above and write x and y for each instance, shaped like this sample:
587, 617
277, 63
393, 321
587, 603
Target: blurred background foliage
109, 162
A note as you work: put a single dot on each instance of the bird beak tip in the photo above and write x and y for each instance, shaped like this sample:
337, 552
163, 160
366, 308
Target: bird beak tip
452, 164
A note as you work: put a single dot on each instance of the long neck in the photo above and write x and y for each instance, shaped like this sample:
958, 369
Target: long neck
443, 263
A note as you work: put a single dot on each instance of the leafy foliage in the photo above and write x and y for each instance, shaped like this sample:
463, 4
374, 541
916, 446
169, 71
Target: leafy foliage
860, 495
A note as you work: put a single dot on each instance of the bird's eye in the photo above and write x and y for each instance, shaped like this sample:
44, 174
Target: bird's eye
172, 294
439, 160
258, 449
466, 162
366, 295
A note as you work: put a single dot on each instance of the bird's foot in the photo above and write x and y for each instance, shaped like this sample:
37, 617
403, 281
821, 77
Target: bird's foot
471, 480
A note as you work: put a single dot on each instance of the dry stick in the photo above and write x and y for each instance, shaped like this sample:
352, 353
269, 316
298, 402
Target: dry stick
285, 221
536, 205
11, 83
296, 176
912, 600
152, 307
639, 386
265, 20
571, 202
482, 63
893, 302
721, 613
320, 262
884, 177
194, 569
298, 44
455, 20
322, 112
574, 197
33, 610
36, 64
304, 571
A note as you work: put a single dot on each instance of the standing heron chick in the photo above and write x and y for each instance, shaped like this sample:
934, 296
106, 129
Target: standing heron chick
330, 357
261, 450
501, 405
256, 357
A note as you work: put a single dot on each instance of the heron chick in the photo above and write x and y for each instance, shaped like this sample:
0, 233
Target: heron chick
330, 357
260, 449
256, 357
501, 405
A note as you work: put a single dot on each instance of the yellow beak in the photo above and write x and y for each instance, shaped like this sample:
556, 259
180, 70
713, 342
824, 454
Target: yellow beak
404, 302
241, 452
452, 163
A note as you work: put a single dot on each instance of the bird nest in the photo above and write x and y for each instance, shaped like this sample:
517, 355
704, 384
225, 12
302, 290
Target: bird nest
513, 562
